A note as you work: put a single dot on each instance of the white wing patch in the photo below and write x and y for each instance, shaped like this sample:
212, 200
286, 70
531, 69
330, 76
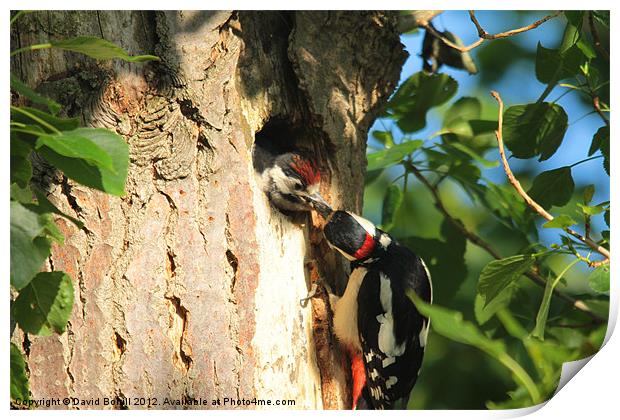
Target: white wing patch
385, 241
425, 327
387, 341
428, 274
424, 334
391, 381
366, 224
388, 361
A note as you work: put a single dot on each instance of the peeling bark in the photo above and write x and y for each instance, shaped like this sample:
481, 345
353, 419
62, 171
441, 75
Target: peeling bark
189, 286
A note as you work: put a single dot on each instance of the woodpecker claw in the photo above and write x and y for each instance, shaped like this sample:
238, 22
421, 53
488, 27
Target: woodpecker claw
314, 290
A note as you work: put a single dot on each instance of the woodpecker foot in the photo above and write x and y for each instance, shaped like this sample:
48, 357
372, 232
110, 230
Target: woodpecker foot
314, 290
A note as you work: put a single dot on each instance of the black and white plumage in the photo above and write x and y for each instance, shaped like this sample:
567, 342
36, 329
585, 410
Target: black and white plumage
290, 180
374, 318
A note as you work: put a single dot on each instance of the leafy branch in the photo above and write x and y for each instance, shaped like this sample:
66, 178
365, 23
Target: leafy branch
526, 197
478, 241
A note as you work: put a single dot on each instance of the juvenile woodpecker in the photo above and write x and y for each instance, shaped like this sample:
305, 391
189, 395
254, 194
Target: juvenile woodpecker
290, 180
375, 319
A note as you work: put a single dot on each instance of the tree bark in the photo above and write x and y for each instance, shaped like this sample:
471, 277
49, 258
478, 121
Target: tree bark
189, 286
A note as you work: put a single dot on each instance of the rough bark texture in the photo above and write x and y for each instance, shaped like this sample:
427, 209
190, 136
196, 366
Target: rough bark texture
189, 285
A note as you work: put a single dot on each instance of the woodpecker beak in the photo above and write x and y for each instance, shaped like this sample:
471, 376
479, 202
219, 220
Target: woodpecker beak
320, 205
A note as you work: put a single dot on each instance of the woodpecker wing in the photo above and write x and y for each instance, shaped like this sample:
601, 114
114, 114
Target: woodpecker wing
392, 332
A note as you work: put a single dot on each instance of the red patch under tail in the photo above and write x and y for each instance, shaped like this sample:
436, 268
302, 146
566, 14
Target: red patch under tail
358, 373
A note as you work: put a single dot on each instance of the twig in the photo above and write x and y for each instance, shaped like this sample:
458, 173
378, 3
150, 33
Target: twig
416, 18
450, 43
456, 222
596, 39
598, 263
476, 240
517, 185
484, 35
597, 108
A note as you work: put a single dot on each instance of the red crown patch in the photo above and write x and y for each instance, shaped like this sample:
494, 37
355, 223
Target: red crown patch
306, 169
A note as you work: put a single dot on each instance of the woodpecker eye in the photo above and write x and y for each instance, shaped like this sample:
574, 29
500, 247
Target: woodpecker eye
298, 187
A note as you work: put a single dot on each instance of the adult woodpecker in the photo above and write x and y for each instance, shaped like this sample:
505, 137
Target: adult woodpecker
290, 180
375, 319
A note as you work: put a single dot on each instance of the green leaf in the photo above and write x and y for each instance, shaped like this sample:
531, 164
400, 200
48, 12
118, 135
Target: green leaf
605, 235
46, 206
50, 229
371, 176
562, 221
19, 381
76, 144
466, 173
29, 248
605, 152
599, 279
591, 210
393, 155
60, 124
607, 216
23, 89
444, 257
543, 311
508, 206
586, 48
482, 126
601, 136
21, 168
553, 188
499, 274
464, 109
534, 129
451, 324
384, 137
575, 17
44, 306
466, 150
110, 181
21, 195
391, 203
417, 95
99, 49
484, 312
555, 65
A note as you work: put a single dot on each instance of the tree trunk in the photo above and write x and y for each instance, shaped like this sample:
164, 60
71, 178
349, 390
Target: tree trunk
189, 286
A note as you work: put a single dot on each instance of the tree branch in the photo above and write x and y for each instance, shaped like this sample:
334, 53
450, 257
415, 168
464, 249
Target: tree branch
596, 39
517, 185
476, 240
484, 35
473, 238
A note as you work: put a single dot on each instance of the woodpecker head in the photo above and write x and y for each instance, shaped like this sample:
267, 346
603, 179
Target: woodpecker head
293, 184
355, 237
